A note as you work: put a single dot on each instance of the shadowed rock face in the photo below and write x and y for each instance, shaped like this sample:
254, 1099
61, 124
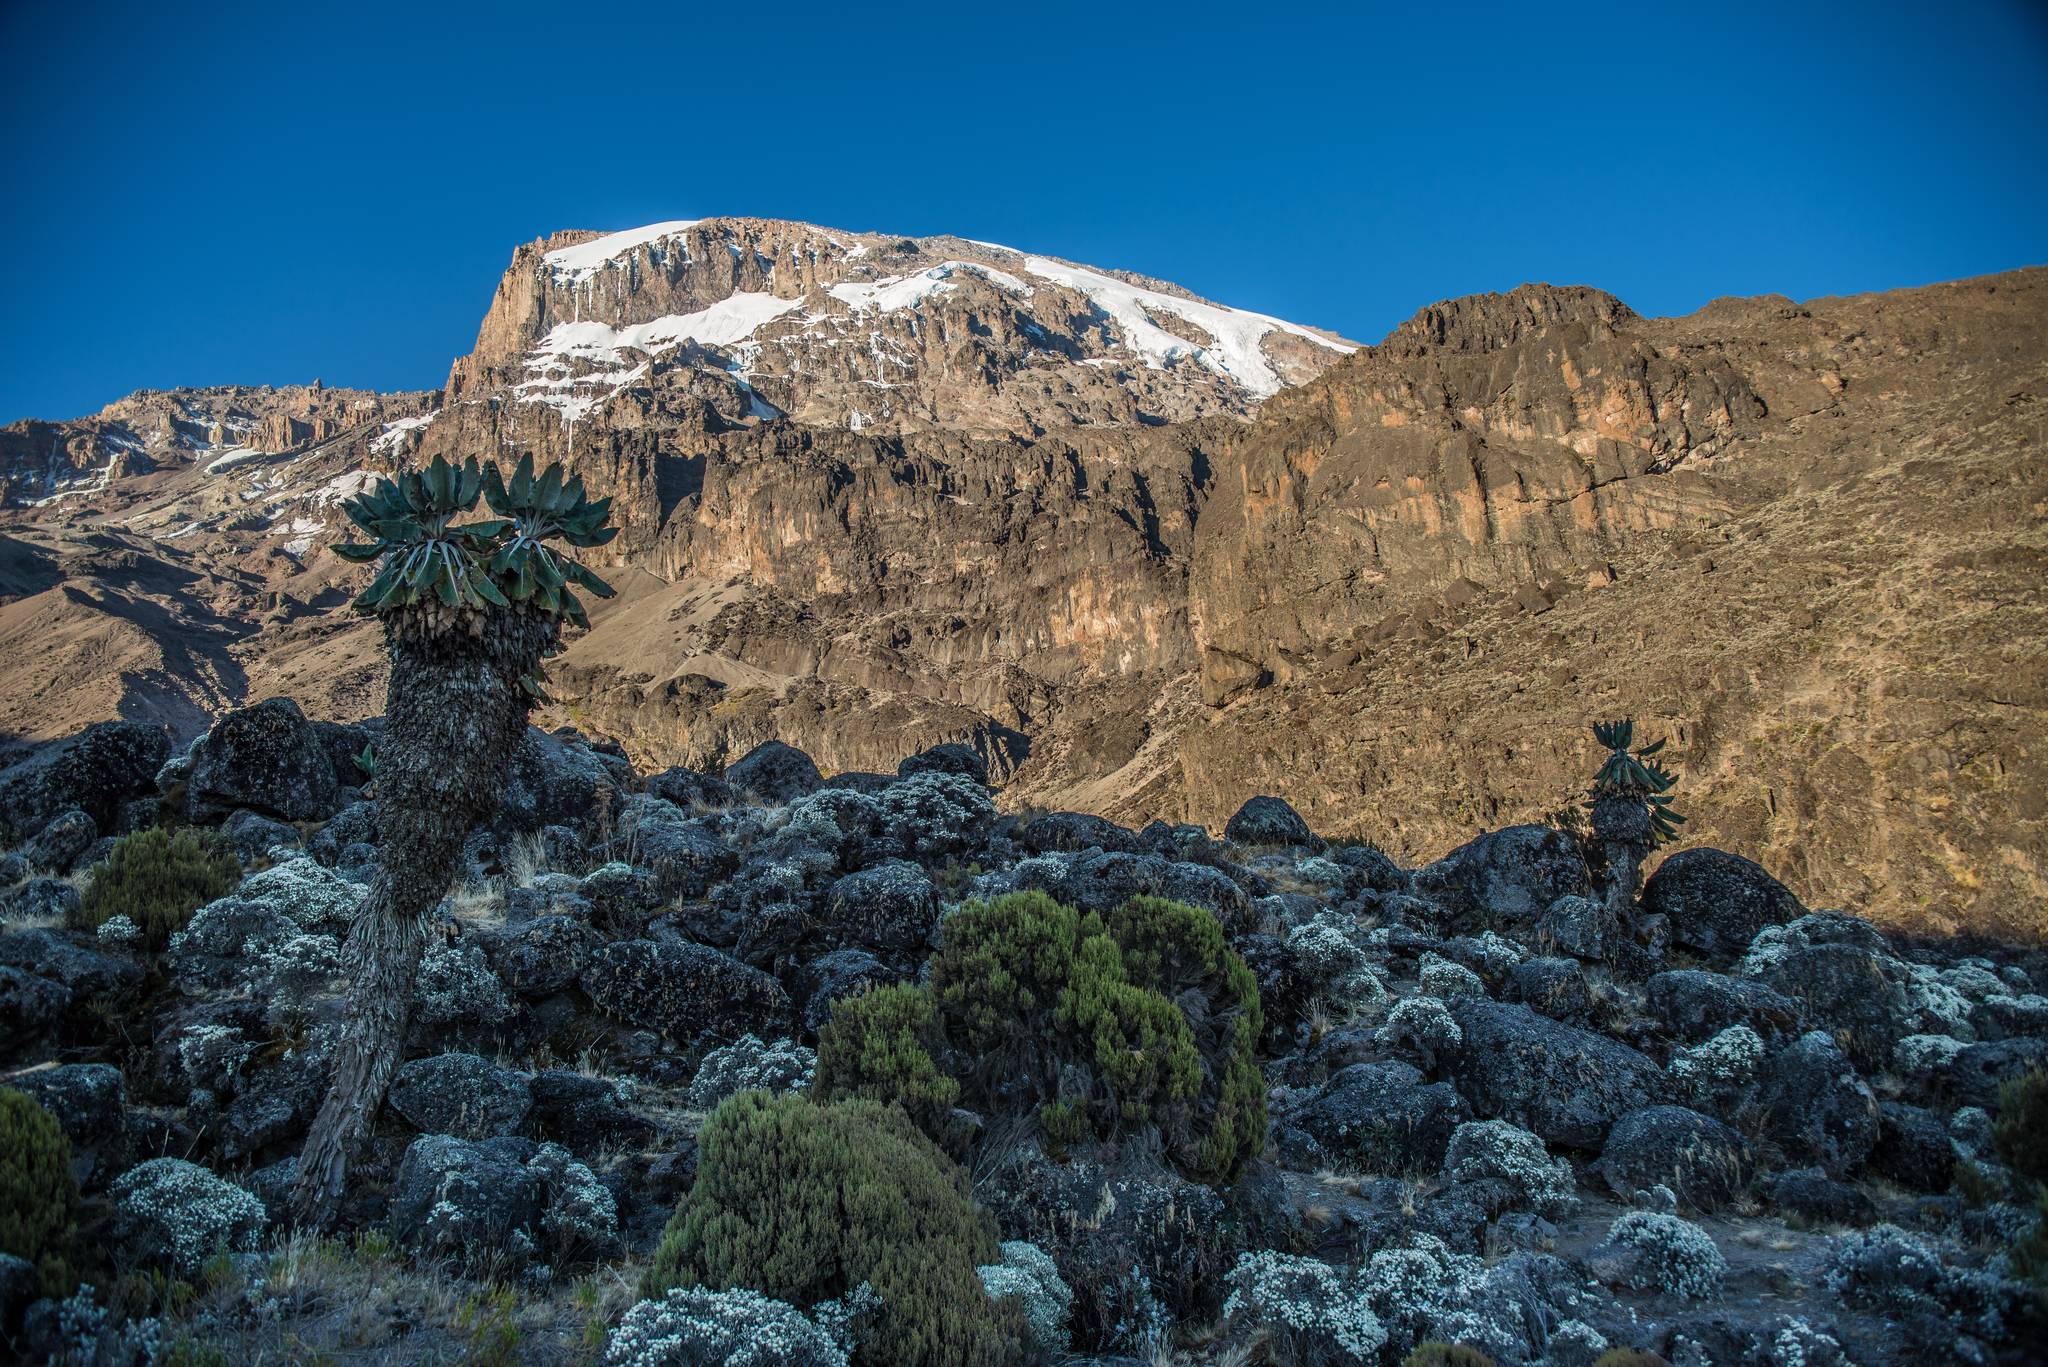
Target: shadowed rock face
1799, 540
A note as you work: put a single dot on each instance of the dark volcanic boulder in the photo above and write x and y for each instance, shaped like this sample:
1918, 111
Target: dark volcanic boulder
464, 1197
86, 1100
1717, 902
1817, 1198
1978, 1072
1380, 1118
689, 991
62, 958
843, 973
683, 855
1857, 994
889, 909
267, 758
1705, 1163
774, 772
1073, 832
1269, 821
1505, 878
96, 770
584, 1113
1913, 1148
555, 780
1127, 1238
1101, 880
462, 1095
1694, 1004
951, 758
29, 1005
1559, 988
689, 789
543, 956
61, 841
1564, 1084
1815, 1107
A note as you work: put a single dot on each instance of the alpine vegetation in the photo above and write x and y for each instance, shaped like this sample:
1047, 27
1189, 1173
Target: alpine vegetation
510, 1050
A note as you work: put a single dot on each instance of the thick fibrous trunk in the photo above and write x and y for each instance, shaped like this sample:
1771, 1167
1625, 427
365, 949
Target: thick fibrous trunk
1623, 838
454, 713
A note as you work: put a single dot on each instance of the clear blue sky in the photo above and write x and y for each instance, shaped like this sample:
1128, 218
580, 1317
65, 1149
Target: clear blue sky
289, 190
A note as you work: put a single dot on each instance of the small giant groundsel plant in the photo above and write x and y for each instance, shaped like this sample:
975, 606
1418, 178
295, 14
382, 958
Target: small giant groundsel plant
470, 609
1630, 805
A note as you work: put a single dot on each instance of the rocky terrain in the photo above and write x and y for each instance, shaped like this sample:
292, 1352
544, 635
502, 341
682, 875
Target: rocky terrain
1147, 555
1469, 1100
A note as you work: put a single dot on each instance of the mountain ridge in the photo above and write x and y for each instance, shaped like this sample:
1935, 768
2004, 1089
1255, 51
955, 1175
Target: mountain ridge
1394, 585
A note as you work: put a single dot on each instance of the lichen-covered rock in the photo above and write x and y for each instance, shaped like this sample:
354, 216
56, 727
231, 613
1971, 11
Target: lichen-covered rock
1424, 1027
1716, 901
1270, 821
831, 977
748, 1064
1307, 1311
41, 901
682, 855
1028, 1276
1371, 1118
1578, 927
934, 815
1650, 1251
267, 758
1511, 1165
457, 990
461, 1094
1505, 878
1909, 1278
737, 1328
177, 1215
688, 991
1565, 1084
1858, 995
63, 959
252, 835
1715, 1075
1815, 1107
889, 909
500, 1203
86, 1100
1705, 1163
774, 772
96, 770
1559, 988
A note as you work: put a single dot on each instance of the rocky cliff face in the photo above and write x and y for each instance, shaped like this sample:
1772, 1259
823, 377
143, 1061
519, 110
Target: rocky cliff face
882, 492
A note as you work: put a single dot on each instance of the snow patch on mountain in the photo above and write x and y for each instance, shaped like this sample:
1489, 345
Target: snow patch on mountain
1238, 353
905, 291
726, 322
584, 260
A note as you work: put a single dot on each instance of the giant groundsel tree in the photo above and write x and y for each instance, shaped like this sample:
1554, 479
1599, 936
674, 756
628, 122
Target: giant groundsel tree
470, 609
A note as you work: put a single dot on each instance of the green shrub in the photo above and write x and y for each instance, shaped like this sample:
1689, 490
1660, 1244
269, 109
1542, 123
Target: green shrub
1628, 1357
880, 1046
38, 1196
803, 1201
1034, 1006
1438, 1354
157, 879
2020, 1134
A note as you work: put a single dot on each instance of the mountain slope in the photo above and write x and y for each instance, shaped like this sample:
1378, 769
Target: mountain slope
881, 492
